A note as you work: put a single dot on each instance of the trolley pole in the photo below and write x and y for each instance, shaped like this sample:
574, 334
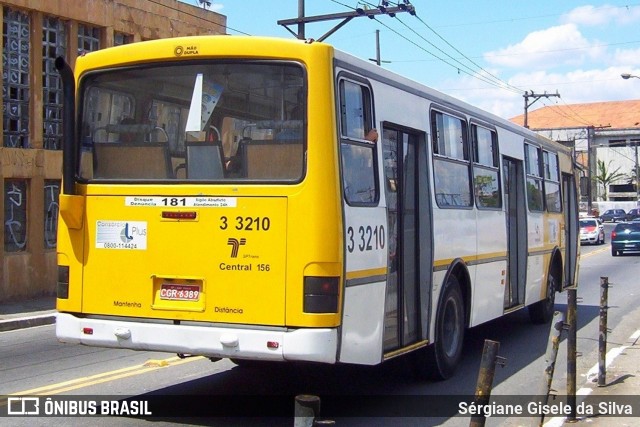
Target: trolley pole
536, 97
370, 12
572, 309
602, 341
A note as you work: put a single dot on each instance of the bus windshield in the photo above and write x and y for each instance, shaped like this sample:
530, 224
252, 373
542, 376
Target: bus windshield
204, 121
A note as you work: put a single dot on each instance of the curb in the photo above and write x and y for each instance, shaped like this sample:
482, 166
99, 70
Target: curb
27, 322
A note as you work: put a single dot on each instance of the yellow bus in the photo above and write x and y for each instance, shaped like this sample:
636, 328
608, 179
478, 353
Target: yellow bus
262, 199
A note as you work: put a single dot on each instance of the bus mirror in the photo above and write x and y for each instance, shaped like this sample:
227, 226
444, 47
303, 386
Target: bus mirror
72, 210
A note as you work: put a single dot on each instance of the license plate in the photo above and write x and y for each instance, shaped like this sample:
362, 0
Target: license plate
174, 292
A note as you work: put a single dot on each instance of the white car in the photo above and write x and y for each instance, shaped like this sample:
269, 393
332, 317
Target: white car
591, 231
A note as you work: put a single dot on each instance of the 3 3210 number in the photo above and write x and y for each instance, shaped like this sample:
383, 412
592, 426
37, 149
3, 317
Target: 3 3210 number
246, 223
367, 238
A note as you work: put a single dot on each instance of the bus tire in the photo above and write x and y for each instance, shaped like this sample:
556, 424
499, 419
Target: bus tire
542, 311
443, 356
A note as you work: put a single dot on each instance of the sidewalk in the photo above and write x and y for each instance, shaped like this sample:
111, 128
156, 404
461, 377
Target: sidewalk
25, 314
621, 391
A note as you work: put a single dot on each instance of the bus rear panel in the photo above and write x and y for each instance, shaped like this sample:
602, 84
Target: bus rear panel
189, 230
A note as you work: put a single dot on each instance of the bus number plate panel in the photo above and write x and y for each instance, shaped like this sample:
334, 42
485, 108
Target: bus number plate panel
179, 292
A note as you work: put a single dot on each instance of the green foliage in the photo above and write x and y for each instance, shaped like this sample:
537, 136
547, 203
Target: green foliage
605, 177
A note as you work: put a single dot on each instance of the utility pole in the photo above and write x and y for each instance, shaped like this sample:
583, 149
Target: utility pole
377, 59
382, 9
536, 97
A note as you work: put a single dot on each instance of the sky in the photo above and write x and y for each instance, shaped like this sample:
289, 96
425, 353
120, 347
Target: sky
485, 52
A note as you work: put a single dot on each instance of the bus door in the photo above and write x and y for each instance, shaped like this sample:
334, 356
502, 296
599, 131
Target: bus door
570, 195
401, 188
515, 204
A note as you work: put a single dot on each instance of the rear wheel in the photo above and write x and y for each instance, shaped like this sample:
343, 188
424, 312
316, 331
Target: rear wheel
614, 252
542, 311
439, 361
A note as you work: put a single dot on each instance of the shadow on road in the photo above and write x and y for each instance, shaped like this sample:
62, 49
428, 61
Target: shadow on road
383, 393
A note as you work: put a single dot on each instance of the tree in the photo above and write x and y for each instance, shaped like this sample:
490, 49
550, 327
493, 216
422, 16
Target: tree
605, 177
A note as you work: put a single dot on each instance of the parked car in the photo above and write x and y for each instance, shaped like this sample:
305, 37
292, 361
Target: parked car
633, 214
625, 237
591, 231
613, 215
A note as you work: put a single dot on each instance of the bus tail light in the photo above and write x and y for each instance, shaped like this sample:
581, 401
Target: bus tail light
62, 289
321, 294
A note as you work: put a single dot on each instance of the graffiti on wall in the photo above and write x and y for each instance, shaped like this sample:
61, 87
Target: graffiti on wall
15, 215
51, 193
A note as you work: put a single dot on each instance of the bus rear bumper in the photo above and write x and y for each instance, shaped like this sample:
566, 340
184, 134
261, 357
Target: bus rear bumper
314, 345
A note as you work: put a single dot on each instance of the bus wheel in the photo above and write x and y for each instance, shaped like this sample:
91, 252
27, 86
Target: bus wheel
542, 311
443, 355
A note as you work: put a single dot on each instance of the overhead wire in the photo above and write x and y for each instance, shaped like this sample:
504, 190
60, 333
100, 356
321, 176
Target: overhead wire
461, 68
492, 79
465, 56
478, 72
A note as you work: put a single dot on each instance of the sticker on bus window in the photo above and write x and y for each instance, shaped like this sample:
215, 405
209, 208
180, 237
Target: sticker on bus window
130, 235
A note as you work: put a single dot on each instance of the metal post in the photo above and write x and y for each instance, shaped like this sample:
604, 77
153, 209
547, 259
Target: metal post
637, 174
591, 165
602, 340
307, 407
485, 379
301, 35
550, 359
378, 62
572, 309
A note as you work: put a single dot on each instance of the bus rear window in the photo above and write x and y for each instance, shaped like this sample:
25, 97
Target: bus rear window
212, 122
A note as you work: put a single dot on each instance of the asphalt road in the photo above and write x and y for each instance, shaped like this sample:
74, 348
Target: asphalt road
33, 362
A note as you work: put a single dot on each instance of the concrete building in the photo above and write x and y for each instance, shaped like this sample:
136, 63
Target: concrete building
600, 131
35, 33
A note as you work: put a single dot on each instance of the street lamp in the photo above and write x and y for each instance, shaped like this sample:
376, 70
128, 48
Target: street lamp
628, 76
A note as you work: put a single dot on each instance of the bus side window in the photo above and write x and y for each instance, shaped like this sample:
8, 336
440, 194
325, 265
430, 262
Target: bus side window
357, 149
450, 161
359, 173
535, 195
486, 173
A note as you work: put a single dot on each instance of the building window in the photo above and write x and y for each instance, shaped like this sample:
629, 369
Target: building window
88, 38
15, 215
121, 38
54, 44
15, 90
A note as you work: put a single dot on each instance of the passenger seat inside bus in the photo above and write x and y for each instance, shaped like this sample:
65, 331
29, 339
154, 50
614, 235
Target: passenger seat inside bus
205, 160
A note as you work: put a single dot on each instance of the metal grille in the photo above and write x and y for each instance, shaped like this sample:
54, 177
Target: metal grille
88, 38
54, 44
15, 78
